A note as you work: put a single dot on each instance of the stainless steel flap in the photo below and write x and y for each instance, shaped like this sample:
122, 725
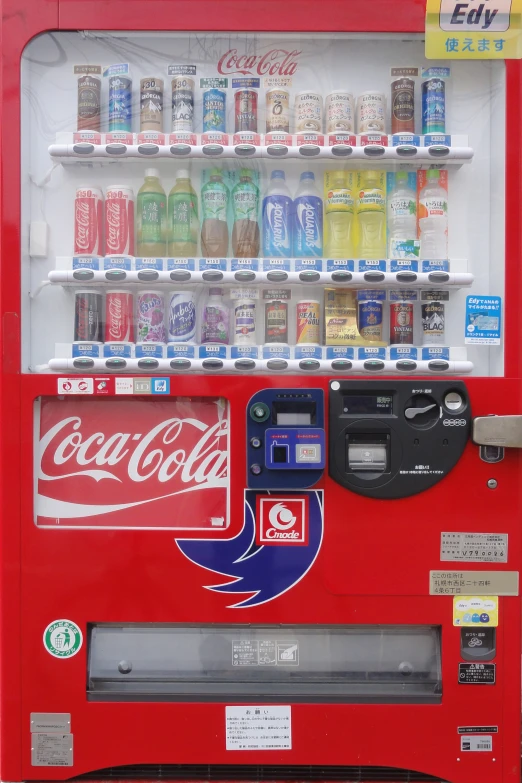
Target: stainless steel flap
504, 431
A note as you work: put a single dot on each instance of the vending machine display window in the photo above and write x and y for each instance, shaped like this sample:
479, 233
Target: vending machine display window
252, 202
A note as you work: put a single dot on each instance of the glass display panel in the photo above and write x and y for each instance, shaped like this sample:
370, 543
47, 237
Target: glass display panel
260, 202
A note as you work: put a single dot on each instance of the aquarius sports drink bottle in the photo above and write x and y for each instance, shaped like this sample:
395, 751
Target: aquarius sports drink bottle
214, 206
371, 214
182, 217
338, 211
308, 219
433, 217
277, 217
151, 217
402, 212
245, 202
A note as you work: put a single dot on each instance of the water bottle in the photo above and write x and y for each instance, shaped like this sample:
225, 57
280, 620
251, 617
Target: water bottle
277, 218
308, 219
402, 213
433, 218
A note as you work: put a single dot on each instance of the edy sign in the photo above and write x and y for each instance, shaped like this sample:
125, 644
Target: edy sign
473, 29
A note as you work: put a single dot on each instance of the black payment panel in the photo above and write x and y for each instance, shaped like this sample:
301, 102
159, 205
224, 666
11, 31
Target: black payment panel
391, 439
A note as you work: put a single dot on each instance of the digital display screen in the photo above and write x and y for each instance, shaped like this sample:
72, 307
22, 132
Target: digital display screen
293, 419
354, 404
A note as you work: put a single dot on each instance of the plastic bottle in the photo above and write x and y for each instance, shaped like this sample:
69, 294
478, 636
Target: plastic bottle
245, 202
402, 213
214, 206
182, 217
433, 218
215, 320
338, 210
277, 218
151, 218
371, 214
308, 219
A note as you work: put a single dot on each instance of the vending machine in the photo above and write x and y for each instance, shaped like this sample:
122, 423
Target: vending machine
261, 308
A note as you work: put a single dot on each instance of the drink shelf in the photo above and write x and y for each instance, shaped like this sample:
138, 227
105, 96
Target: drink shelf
449, 150
253, 276
211, 366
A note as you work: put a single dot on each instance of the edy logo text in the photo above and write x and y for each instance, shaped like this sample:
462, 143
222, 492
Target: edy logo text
475, 16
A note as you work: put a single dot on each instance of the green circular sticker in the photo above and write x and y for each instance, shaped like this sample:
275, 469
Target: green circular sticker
62, 638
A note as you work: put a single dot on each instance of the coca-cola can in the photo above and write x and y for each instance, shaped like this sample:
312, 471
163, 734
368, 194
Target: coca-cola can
88, 221
119, 221
88, 323
119, 309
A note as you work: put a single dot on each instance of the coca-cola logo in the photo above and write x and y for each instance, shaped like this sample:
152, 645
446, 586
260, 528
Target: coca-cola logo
115, 225
125, 464
117, 321
85, 225
280, 62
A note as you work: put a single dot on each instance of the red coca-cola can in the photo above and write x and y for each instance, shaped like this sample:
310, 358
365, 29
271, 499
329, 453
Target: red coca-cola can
88, 221
119, 326
119, 221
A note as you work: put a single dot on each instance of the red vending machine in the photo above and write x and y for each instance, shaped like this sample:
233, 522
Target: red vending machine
260, 412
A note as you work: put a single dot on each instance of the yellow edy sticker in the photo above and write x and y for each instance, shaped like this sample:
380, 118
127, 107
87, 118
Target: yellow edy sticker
473, 611
474, 29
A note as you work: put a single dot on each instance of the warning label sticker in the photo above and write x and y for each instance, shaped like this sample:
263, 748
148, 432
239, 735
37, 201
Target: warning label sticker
477, 673
474, 547
259, 728
265, 652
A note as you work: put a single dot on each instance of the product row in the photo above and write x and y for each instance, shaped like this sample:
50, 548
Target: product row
338, 113
358, 214
344, 317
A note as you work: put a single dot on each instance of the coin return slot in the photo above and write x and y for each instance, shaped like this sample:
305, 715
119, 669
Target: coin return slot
279, 454
368, 454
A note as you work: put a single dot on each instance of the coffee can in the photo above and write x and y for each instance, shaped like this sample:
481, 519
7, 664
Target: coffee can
245, 322
371, 112
182, 104
308, 316
370, 320
401, 323
151, 104
245, 110
433, 323
89, 104
403, 105
339, 112
308, 111
214, 110
277, 111
120, 103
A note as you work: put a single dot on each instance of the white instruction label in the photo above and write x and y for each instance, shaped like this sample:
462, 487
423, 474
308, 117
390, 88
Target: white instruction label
474, 547
476, 742
259, 728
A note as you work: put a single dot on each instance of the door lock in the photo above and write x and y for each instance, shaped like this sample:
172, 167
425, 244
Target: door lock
500, 431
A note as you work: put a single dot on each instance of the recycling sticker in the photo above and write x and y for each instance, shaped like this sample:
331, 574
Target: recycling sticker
62, 638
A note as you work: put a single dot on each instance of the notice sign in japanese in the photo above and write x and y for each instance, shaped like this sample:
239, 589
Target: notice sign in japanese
473, 29
483, 320
259, 728
486, 583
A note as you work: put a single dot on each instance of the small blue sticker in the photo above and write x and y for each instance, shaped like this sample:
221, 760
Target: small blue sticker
160, 386
483, 320
246, 83
340, 265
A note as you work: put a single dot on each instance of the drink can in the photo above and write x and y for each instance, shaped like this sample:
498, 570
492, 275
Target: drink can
214, 110
371, 112
120, 103
88, 221
339, 112
433, 106
403, 105
182, 104
88, 317
276, 322
151, 104
401, 323
119, 311
433, 323
245, 110
182, 317
370, 320
245, 322
151, 317
89, 106
308, 314
308, 110
277, 111
119, 220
